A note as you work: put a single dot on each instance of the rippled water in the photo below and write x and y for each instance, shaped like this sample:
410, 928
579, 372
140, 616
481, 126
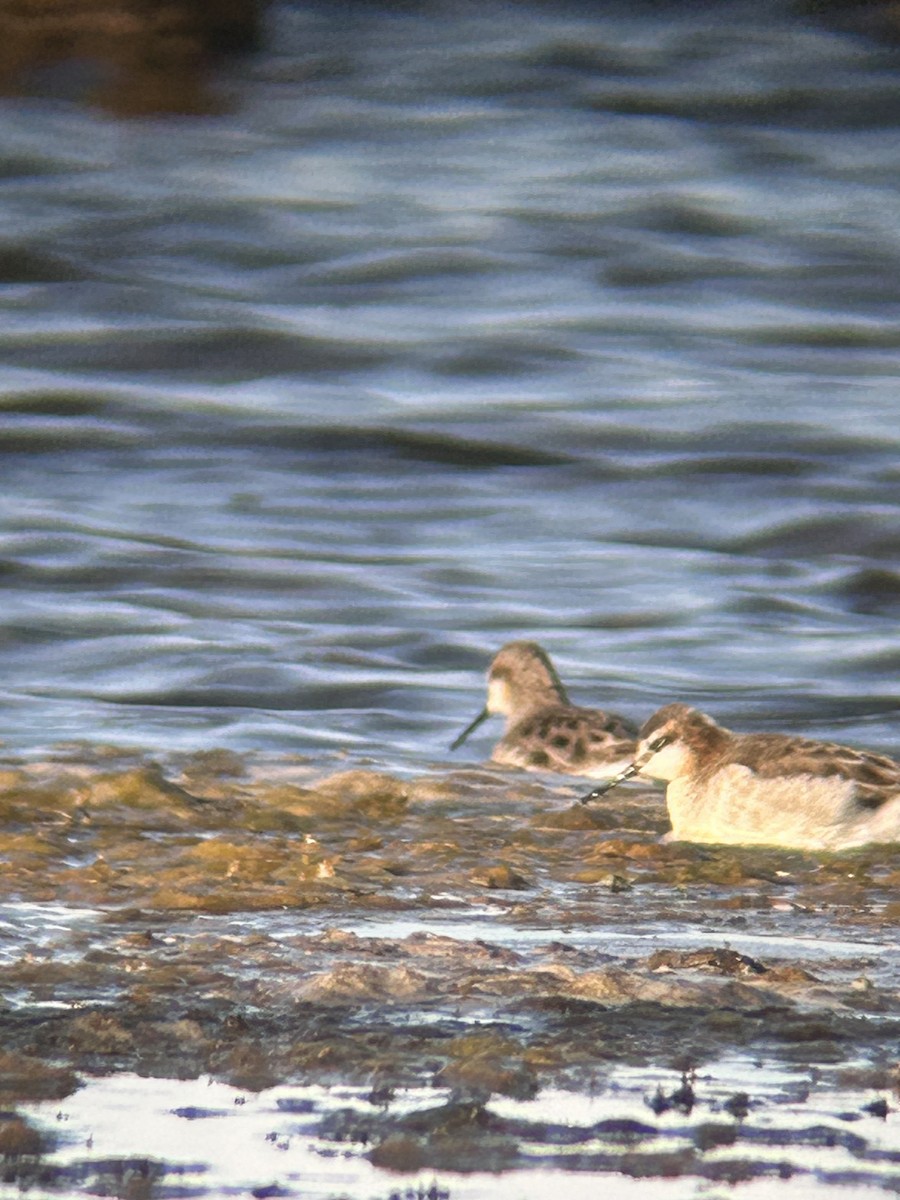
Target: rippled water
572, 323
580, 326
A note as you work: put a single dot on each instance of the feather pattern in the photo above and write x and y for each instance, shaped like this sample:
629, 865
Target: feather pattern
768, 788
544, 730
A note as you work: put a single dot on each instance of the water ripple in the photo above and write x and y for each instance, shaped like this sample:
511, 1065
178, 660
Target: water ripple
582, 328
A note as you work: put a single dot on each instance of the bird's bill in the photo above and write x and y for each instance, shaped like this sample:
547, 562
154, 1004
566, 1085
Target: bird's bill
482, 716
654, 747
608, 784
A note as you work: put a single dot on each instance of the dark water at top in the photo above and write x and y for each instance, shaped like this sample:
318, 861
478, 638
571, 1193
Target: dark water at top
461, 325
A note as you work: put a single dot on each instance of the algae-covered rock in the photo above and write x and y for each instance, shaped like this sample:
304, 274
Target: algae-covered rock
164, 804
98, 1033
366, 982
24, 1077
500, 876
366, 793
615, 985
485, 1075
220, 858
19, 1139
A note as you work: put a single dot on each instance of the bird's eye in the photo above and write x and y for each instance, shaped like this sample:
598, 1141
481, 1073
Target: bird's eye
658, 743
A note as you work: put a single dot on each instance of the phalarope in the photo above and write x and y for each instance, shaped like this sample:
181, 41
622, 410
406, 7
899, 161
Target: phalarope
764, 788
544, 731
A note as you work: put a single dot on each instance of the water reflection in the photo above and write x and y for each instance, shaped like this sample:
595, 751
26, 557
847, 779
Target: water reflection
317, 1141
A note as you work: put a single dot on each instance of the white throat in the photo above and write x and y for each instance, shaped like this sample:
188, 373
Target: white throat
671, 762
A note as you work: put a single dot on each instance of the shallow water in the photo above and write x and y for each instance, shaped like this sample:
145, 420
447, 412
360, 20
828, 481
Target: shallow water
273, 1140
581, 327
453, 975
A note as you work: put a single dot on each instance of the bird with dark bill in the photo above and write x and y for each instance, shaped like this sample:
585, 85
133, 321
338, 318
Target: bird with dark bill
544, 730
767, 789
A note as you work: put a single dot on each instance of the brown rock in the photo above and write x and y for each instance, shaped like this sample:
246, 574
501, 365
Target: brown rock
500, 877
97, 1033
17, 1138
399, 1152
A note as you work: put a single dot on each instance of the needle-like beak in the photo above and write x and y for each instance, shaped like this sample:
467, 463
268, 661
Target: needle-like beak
632, 769
482, 716
608, 784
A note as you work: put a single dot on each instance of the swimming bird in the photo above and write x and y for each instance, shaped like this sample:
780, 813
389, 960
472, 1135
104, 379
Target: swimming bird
764, 788
544, 730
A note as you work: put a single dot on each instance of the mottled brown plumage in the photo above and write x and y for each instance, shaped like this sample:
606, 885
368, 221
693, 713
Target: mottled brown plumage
544, 730
767, 788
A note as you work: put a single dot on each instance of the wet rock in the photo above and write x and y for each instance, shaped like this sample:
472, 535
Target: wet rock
826, 1136
500, 876
803, 1029
144, 788
24, 1077
301, 804
603, 877
367, 982
365, 793
636, 851
720, 960
164, 986
538, 980
246, 1063
877, 1108
709, 1136
734, 1171
434, 791
295, 1104
484, 1075
813, 1052
664, 1164
458, 1136
212, 771
18, 1139
618, 986
738, 1105
11, 780
579, 816
789, 975
97, 1033
399, 1152
880, 1078
624, 1129
432, 945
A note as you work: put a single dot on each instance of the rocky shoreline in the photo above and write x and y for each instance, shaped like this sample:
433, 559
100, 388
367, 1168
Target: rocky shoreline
474, 931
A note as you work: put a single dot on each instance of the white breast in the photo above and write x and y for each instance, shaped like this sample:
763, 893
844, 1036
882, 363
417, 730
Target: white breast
737, 807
